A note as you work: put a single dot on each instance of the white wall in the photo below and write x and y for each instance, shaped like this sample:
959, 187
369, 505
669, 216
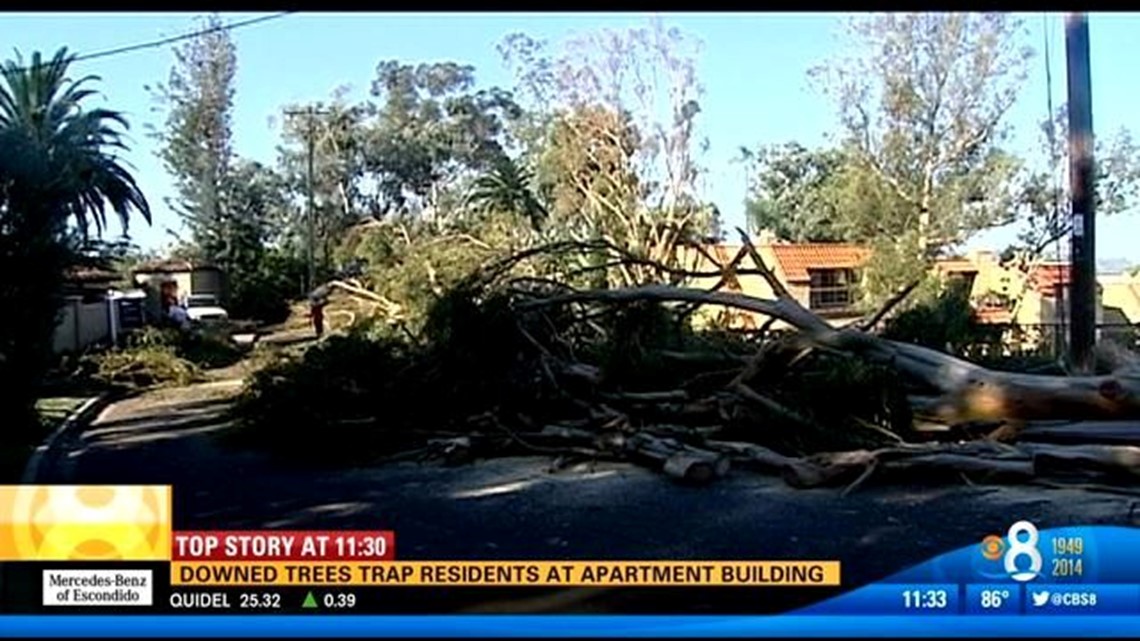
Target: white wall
82, 325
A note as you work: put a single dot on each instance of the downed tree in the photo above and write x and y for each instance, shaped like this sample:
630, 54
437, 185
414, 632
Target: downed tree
538, 366
962, 391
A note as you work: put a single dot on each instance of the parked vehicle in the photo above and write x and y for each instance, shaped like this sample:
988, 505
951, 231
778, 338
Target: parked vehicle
205, 308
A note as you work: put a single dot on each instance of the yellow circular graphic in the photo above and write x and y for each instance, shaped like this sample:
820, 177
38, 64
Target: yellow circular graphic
993, 547
90, 522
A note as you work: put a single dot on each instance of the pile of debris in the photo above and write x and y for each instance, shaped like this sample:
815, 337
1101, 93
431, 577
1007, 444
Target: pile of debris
819, 405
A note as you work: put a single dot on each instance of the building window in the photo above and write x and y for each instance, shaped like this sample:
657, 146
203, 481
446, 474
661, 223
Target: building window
831, 289
962, 281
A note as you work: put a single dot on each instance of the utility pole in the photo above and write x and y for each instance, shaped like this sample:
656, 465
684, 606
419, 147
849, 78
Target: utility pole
1083, 298
310, 215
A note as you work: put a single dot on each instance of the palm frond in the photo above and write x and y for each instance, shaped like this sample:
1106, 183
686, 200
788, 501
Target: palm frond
62, 152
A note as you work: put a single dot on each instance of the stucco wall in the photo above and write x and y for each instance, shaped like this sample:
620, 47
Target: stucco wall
82, 325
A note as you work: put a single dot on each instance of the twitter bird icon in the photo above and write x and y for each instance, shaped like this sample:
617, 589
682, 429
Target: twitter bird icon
1040, 598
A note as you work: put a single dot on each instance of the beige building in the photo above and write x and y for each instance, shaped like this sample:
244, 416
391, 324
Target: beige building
823, 277
1121, 292
1035, 301
184, 277
1120, 297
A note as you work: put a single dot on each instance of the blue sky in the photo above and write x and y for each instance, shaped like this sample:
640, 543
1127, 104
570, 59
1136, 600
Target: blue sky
753, 67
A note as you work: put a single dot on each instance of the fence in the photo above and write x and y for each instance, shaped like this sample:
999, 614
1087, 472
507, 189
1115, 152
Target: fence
81, 325
1048, 339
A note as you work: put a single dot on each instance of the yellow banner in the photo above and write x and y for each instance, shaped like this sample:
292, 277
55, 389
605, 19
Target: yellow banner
510, 573
85, 522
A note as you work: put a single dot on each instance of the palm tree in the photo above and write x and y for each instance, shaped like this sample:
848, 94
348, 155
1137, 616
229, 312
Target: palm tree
59, 159
507, 188
58, 166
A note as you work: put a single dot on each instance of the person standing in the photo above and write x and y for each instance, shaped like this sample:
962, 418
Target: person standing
317, 301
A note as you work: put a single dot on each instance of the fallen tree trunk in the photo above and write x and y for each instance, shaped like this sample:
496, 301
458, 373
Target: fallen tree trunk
1070, 432
965, 391
812, 388
681, 462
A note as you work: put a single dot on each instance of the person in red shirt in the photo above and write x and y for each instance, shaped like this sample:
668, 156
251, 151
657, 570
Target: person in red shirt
317, 301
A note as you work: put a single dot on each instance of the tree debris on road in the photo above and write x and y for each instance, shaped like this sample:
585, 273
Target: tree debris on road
517, 364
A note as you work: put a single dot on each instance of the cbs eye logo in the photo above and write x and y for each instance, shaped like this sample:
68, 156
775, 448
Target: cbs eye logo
1023, 539
993, 546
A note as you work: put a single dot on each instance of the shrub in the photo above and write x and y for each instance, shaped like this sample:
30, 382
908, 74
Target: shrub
350, 398
161, 356
947, 323
143, 367
330, 402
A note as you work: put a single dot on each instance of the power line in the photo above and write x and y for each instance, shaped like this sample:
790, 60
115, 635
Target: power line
186, 36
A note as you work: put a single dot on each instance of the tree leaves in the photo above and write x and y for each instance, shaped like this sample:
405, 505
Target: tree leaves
196, 146
794, 192
429, 131
923, 105
59, 156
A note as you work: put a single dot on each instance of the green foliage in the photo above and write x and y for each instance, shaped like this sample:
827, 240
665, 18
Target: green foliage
508, 188
834, 397
793, 192
637, 334
429, 125
948, 323
1044, 200
895, 263
235, 209
923, 108
352, 398
59, 166
261, 278
196, 145
338, 133
150, 358
160, 357
143, 367
263, 293
320, 406
414, 263
610, 133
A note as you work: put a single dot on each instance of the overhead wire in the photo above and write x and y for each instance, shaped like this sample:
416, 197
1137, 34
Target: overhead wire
172, 39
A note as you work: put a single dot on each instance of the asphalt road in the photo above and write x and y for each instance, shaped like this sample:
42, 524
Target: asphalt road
515, 509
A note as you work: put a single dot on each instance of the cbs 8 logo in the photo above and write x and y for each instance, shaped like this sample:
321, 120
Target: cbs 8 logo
1018, 549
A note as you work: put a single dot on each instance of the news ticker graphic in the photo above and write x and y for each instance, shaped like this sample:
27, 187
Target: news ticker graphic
510, 573
1025, 554
284, 545
983, 600
85, 522
1020, 570
1076, 570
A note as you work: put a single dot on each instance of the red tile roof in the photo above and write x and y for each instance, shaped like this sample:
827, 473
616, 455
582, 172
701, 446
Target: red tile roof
796, 259
955, 265
993, 315
1048, 276
90, 275
168, 266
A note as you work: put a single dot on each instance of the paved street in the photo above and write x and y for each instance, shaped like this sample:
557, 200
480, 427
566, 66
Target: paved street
516, 509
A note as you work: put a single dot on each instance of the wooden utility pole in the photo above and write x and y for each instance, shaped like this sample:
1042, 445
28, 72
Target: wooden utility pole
311, 113
1083, 295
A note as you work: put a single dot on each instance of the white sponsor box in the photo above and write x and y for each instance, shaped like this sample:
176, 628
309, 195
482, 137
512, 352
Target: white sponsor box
83, 588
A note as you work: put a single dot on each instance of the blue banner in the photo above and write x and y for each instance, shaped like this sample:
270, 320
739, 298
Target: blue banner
1019, 583
490, 625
